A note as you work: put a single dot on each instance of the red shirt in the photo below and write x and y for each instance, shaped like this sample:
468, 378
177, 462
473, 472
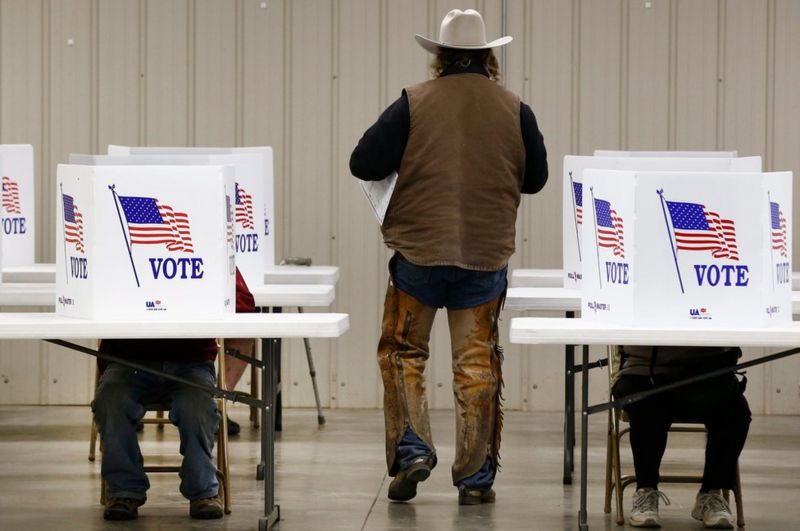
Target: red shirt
176, 350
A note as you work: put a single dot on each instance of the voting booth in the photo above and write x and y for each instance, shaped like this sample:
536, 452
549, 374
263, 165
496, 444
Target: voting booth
267, 200
687, 248
675, 154
247, 199
150, 242
573, 196
18, 220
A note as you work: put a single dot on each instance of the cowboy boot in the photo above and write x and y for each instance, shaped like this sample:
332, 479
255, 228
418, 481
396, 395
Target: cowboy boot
402, 353
477, 384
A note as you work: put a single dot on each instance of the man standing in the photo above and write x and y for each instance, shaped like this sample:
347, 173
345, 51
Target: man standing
464, 148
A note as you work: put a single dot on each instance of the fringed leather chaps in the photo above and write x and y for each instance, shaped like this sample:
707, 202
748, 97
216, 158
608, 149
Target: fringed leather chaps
402, 353
477, 386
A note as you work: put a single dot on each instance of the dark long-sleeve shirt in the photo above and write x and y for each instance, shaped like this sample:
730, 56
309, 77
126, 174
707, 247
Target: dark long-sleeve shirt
380, 150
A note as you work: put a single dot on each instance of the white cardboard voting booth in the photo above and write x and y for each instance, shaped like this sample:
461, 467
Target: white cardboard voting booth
572, 198
18, 220
687, 248
249, 191
676, 154
149, 242
268, 199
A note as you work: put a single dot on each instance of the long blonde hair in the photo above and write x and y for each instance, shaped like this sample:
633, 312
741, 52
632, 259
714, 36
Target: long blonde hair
464, 58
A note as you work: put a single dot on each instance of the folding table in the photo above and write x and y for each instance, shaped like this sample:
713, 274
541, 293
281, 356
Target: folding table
55, 328
558, 331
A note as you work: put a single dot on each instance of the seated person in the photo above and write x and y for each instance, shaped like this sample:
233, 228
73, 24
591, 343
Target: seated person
119, 403
718, 403
234, 368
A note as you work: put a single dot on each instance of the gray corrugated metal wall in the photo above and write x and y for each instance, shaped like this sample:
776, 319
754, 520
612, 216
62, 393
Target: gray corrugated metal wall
308, 76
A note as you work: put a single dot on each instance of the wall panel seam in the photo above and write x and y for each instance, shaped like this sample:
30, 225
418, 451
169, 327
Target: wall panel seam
575, 86
335, 51
672, 76
287, 121
191, 77
239, 74
721, 47
94, 75
44, 367
624, 72
769, 135
142, 73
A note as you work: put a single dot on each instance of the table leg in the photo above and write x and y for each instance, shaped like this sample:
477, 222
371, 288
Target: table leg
267, 466
582, 524
279, 387
569, 410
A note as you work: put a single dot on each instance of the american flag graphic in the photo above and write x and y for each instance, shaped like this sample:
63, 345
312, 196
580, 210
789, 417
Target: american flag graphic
610, 232
698, 229
73, 223
11, 196
151, 223
229, 218
244, 208
778, 229
577, 189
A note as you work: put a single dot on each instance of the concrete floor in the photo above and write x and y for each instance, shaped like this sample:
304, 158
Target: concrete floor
333, 477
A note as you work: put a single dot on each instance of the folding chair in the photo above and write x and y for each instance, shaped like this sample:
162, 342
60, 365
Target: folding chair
616, 481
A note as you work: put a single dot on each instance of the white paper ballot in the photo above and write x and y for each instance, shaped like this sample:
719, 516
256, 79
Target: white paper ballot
378, 193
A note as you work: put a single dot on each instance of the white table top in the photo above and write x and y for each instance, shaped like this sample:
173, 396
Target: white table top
562, 331
294, 274
569, 300
537, 278
554, 278
543, 299
288, 325
42, 294
308, 295
292, 295
279, 274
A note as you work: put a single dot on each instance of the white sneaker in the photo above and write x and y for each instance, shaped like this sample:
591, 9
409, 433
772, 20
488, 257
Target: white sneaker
645, 508
712, 509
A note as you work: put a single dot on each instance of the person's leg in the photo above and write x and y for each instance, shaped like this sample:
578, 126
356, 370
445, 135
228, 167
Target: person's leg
117, 408
721, 406
477, 383
234, 368
650, 420
195, 413
402, 354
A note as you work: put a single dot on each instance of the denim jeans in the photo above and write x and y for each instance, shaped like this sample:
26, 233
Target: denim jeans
447, 286
119, 405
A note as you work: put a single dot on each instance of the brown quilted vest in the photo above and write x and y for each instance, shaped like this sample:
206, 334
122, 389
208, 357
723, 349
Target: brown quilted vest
458, 187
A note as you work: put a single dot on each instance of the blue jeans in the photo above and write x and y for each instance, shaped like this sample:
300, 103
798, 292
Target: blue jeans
119, 405
447, 286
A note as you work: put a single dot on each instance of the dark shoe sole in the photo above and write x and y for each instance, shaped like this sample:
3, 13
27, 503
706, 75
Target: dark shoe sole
404, 486
210, 515
119, 515
475, 497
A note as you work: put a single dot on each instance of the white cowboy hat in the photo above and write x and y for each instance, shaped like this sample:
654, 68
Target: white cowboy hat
461, 30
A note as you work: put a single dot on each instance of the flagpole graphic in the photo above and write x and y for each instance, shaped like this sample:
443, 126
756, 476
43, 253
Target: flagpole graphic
596, 242
124, 235
669, 235
771, 246
64, 231
575, 214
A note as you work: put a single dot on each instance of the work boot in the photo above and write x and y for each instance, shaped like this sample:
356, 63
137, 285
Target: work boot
477, 384
402, 354
121, 509
712, 509
475, 496
404, 486
206, 508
